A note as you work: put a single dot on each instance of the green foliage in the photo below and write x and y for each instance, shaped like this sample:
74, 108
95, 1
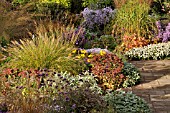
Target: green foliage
127, 102
160, 8
97, 4
49, 49
3, 42
21, 2
152, 51
132, 18
105, 42
131, 73
65, 3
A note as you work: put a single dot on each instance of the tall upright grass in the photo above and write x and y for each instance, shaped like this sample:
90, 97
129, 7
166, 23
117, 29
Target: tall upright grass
49, 48
119, 3
133, 18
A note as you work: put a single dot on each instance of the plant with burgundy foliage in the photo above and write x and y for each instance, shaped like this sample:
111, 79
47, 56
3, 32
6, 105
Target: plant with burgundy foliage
108, 68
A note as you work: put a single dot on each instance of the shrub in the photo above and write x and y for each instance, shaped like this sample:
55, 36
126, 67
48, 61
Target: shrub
23, 2
127, 102
132, 18
160, 8
97, 4
105, 42
131, 74
49, 49
152, 51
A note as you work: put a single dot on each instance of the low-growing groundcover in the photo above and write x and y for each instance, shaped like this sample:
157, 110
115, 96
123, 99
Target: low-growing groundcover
124, 102
149, 52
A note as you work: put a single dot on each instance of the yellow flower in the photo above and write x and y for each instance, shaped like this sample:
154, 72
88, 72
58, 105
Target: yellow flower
88, 60
83, 51
74, 51
90, 56
69, 54
82, 55
102, 52
78, 56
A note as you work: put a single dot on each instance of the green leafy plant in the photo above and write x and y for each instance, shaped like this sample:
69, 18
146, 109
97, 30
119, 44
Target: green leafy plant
131, 74
128, 102
160, 8
105, 41
97, 4
49, 49
152, 51
132, 18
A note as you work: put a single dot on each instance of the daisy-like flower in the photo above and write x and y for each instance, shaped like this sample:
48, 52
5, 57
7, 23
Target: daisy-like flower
83, 51
102, 52
90, 56
74, 51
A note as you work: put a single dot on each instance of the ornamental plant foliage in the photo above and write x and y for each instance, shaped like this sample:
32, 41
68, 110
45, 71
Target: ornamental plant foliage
127, 102
108, 68
49, 48
132, 18
105, 42
56, 92
131, 41
152, 51
132, 75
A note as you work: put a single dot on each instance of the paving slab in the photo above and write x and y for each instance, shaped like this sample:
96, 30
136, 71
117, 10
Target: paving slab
155, 84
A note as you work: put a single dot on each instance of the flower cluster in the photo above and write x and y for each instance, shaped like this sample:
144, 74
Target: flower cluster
152, 51
163, 33
94, 19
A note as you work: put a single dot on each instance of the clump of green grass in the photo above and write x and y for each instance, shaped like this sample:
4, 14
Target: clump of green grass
49, 48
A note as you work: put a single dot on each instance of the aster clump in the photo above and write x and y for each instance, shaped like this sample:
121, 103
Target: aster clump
97, 19
163, 32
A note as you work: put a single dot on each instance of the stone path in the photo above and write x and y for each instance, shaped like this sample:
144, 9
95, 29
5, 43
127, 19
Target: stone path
155, 84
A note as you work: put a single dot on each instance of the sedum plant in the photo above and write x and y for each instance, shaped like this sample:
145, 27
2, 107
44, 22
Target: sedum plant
152, 51
128, 102
49, 48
